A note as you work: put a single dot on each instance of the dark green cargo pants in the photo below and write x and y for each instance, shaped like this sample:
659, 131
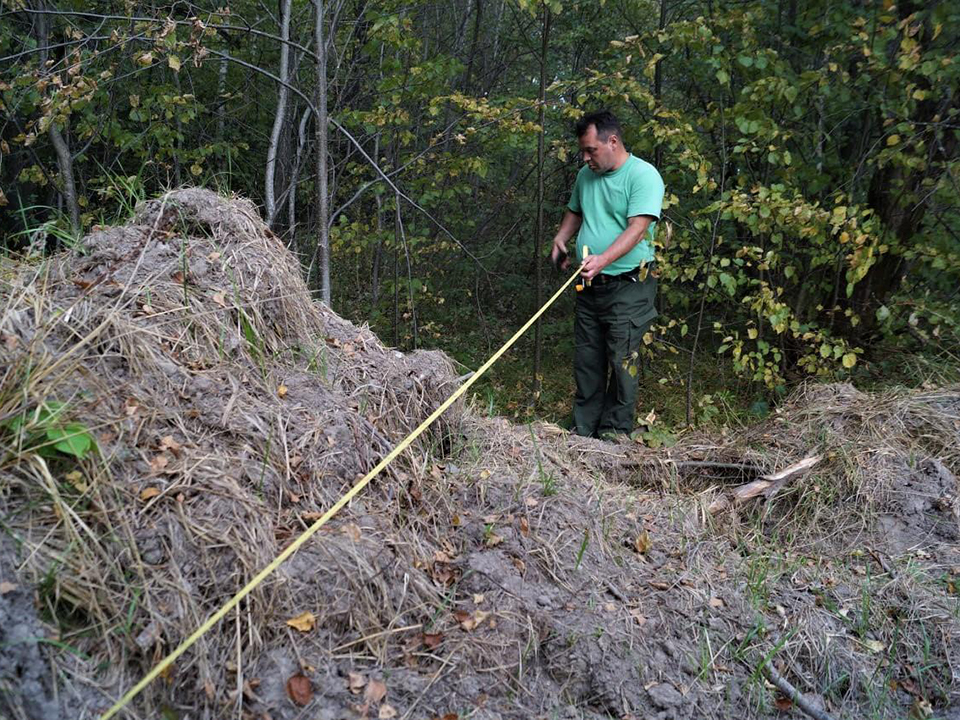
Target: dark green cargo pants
610, 323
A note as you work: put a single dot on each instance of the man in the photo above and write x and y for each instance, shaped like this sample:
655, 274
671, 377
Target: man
613, 210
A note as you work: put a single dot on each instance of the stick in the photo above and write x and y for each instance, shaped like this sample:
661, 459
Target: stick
795, 695
768, 485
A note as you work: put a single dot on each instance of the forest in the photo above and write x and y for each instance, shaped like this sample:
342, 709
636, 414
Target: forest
252, 255
417, 156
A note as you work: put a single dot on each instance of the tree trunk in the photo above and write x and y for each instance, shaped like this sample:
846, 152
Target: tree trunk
538, 238
323, 202
60, 145
658, 82
294, 179
280, 115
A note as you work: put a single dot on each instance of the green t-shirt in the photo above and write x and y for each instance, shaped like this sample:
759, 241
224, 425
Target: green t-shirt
606, 201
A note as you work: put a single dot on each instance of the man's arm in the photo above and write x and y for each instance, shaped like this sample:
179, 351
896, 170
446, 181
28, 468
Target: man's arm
568, 228
625, 242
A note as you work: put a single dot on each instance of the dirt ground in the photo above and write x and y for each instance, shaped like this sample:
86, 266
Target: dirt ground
493, 571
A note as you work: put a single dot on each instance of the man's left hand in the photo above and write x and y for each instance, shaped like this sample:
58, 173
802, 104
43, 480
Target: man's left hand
592, 265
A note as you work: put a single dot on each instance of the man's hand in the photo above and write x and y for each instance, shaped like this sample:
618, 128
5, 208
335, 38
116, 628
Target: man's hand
592, 265
558, 255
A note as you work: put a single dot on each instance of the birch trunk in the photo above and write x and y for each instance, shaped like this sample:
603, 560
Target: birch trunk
280, 115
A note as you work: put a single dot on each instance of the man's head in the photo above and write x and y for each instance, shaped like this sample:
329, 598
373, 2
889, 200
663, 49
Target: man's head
601, 141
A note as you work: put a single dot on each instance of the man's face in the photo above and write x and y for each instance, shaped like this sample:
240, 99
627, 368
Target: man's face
599, 155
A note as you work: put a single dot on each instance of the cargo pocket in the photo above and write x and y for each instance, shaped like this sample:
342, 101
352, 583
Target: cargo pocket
635, 332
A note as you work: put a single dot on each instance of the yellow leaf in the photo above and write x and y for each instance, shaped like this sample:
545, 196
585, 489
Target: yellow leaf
282, 390
174, 62
304, 622
893, 140
75, 478
874, 645
150, 492
196, 169
643, 543
752, 333
386, 712
849, 360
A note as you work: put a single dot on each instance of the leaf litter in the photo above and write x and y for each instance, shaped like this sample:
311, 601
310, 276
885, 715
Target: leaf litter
232, 411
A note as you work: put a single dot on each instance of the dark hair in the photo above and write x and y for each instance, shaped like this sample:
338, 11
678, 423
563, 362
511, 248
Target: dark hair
604, 121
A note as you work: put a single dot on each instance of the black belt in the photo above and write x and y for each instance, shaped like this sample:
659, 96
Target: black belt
629, 276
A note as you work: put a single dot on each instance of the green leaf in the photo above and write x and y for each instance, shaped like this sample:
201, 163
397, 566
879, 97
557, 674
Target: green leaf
883, 312
849, 360
729, 284
723, 77
745, 60
72, 439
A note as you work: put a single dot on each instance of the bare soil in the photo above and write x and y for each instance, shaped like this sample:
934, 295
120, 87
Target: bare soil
493, 571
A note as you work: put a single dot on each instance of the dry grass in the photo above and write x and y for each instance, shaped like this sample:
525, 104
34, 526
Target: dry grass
496, 569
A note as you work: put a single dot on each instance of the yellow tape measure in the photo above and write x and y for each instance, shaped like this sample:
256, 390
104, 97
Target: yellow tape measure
334, 509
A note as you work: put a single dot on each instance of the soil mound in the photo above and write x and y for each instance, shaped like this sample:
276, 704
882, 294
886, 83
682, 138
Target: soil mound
175, 409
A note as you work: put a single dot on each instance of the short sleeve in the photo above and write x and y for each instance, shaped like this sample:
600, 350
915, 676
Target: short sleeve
574, 204
646, 193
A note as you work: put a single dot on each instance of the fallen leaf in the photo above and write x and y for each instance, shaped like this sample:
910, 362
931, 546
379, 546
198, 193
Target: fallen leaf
299, 689
519, 565
168, 443
352, 531
610, 607
469, 622
150, 492
282, 390
375, 692
874, 645
639, 617
356, 682
209, 689
477, 598
304, 622
159, 462
432, 640
131, 406
531, 502
659, 585
921, 709
7, 587
493, 540
908, 685
524, 527
386, 712
643, 543
11, 342
213, 256
75, 478
716, 602
784, 703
